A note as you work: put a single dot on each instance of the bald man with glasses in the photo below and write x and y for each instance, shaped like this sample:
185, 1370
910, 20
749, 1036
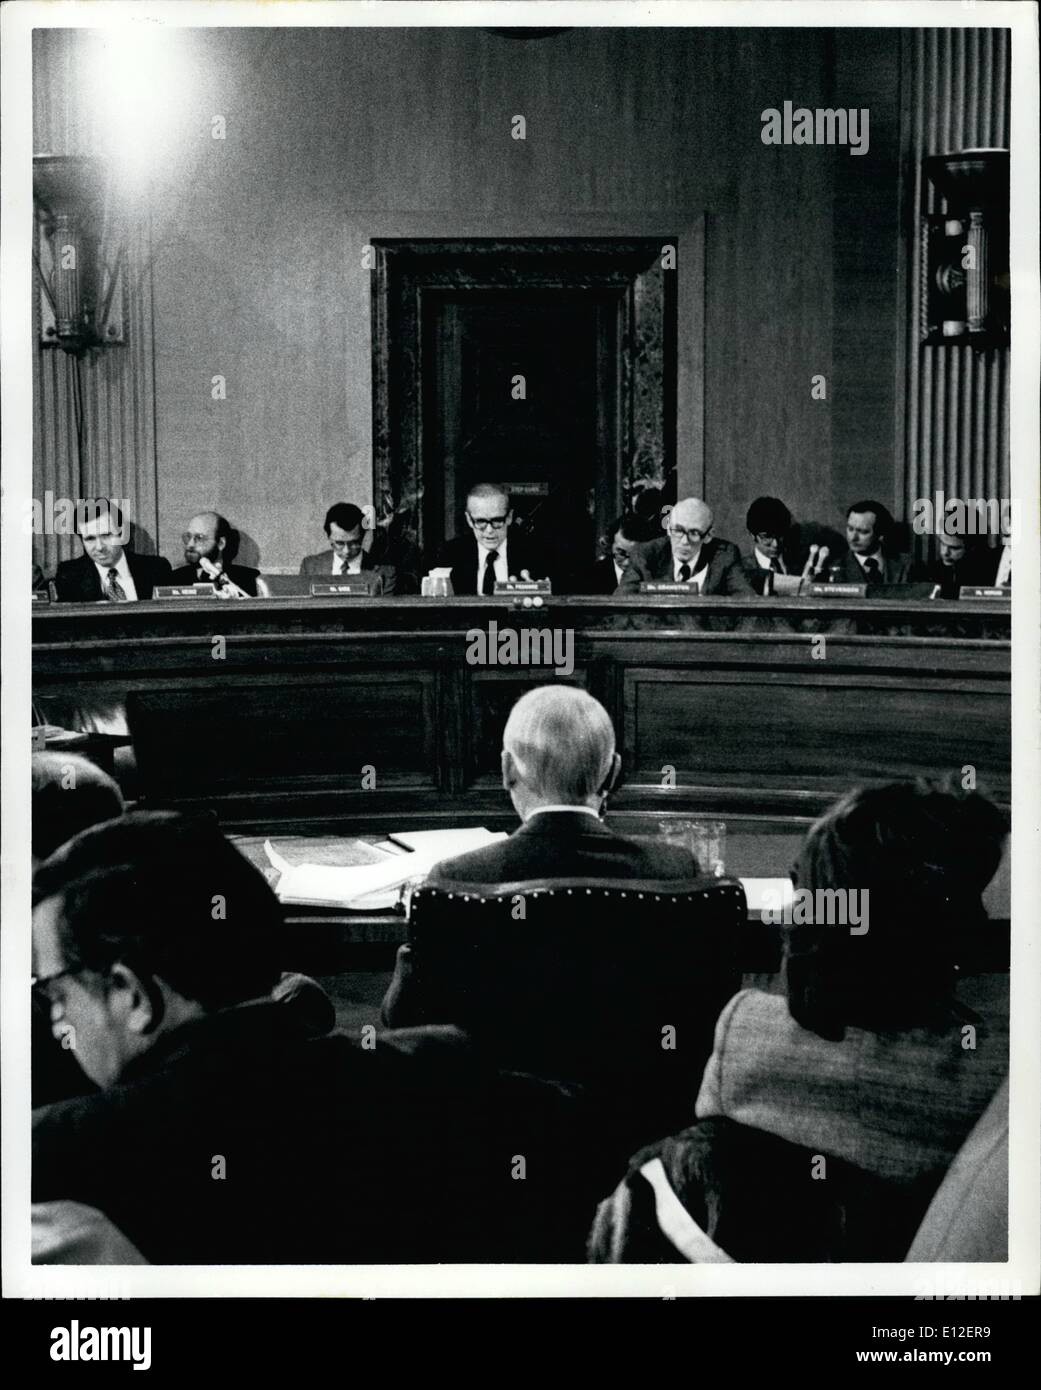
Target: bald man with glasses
491, 551
688, 554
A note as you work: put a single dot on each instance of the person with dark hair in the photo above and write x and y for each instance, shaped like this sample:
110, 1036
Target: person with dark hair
870, 1065
959, 560
769, 523
209, 543
107, 570
869, 535
605, 575
344, 525
69, 793
228, 1129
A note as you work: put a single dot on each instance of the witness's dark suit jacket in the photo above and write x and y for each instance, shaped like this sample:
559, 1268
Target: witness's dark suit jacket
551, 844
894, 569
241, 575
653, 560
321, 566
460, 556
76, 581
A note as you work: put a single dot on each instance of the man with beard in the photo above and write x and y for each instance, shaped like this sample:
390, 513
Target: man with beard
207, 539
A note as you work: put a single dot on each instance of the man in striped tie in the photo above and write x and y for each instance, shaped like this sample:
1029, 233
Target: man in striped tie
107, 570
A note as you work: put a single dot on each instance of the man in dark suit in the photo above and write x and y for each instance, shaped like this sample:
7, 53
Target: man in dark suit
605, 575
959, 560
491, 552
344, 525
769, 524
558, 765
869, 528
207, 547
214, 1094
107, 569
688, 554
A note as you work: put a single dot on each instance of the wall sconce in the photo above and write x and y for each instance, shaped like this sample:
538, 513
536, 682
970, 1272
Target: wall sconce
965, 250
81, 290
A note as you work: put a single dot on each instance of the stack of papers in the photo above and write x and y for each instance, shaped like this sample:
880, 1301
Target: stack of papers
373, 887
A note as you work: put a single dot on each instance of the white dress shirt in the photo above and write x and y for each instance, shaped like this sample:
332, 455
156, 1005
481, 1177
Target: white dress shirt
123, 574
343, 565
501, 566
765, 563
1004, 574
619, 570
698, 571
586, 811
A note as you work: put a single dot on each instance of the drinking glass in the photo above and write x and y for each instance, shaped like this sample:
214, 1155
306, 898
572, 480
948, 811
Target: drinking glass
705, 839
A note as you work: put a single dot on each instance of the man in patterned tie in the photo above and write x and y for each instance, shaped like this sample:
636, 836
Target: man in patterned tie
107, 570
869, 532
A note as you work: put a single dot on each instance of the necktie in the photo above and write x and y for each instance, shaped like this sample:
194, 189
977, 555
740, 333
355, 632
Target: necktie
488, 579
115, 593
684, 573
871, 569
775, 566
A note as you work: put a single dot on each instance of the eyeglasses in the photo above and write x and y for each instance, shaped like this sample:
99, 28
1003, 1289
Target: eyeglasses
689, 533
187, 537
620, 554
486, 523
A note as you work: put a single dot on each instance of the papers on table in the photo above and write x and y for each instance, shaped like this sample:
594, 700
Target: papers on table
770, 894
374, 887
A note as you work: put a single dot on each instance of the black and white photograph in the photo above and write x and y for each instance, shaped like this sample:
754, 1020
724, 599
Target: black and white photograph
533, 789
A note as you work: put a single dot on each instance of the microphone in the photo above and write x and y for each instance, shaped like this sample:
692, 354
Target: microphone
226, 588
814, 563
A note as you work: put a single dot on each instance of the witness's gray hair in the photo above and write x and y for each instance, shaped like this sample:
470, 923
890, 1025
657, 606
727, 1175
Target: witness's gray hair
562, 742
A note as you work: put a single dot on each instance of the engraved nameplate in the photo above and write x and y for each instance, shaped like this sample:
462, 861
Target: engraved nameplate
162, 591
837, 590
351, 586
523, 586
985, 591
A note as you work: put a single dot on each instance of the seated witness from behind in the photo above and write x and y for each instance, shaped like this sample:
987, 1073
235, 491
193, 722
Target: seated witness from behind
213, 1096
870, 1062
606, 574
491, 551
344, 525
688, 554
769, 524
107, 569
869, 533
208, 547
959, 560
558, 766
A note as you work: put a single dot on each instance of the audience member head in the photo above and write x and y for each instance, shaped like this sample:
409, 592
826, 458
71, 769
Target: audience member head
688, 526
143, 924
488, 514
102, 530
769, 521
625, 532
208, 537
868, 527
69, 793
923, 852
558, 749
345, 527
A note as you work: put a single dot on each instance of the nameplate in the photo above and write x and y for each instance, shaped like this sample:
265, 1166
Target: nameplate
184, 591
985, 591
523, 586
670, 586
353, 586
41, 598
837, 590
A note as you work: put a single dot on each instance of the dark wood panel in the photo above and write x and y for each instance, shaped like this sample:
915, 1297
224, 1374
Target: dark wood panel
718, 729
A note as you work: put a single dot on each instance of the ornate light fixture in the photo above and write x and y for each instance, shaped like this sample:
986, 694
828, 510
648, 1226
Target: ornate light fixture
80, 276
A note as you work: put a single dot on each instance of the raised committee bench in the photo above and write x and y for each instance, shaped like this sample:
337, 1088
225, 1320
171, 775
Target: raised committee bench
343, 715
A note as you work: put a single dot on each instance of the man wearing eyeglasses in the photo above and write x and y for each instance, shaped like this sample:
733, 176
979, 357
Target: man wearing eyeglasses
624, 535
688, 554
491, 552
345, 527
207, 539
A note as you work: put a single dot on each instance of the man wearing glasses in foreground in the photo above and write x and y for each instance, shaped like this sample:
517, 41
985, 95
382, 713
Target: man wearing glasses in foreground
688, 554
491, 551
